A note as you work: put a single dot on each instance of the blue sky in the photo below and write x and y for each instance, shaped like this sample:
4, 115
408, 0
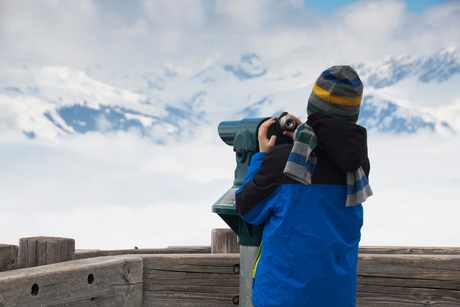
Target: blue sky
327, 7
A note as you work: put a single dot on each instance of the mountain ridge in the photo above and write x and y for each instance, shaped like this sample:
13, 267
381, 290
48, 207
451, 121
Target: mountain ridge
60, 101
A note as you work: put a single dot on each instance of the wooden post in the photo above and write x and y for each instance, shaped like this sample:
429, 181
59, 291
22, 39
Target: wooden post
35, 251
224, 240
8, 257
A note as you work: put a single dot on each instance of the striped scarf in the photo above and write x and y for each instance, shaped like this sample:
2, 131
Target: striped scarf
302, 161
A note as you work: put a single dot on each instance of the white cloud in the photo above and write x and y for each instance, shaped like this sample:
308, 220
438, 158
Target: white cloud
166, 13
119, 227
40, 32
113, 191
415, 180
249, 14
119, 190
189, 33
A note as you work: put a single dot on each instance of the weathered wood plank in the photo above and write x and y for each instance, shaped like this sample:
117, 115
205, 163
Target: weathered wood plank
399, 279
375, 296
191, 280
413, 250
104, 281
8, 257
224, 241
27, 253
408, 280
83, 254
35, 251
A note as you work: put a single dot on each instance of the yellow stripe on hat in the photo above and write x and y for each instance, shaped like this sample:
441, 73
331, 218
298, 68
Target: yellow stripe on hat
336, 99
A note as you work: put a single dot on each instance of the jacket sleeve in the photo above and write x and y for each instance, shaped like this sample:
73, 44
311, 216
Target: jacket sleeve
260, 191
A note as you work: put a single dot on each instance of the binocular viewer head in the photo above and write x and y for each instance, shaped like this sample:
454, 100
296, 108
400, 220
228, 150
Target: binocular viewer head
229, 129
243, 136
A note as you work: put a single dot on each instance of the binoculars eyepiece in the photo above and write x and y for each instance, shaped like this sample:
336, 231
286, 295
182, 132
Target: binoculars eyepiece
285, 122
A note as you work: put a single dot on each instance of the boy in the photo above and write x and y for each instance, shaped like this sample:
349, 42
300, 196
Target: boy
309, 196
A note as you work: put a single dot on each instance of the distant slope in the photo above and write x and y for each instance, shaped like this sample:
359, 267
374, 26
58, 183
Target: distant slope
403, 94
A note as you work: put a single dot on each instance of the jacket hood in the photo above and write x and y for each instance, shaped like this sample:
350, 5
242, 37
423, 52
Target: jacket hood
345, 143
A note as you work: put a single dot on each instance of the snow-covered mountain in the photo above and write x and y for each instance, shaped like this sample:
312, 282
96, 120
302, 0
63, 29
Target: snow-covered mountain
402, 94
439, 67
405, 94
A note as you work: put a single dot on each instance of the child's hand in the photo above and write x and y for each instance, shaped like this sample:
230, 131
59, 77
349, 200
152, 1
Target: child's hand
266, 144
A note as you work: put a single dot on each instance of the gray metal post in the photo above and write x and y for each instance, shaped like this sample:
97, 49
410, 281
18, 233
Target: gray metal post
247, 256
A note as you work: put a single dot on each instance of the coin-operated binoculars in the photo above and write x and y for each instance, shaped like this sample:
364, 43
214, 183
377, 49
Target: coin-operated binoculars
242, 135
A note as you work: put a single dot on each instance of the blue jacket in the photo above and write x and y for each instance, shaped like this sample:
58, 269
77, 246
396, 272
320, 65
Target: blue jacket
310, 241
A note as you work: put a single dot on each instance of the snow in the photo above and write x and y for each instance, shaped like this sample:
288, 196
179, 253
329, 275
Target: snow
116, 188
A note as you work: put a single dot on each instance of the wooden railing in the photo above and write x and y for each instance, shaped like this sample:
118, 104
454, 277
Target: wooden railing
193, 276
408, 276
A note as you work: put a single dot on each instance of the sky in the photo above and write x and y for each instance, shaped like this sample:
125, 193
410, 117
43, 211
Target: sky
112, 37
122, 190
327, 7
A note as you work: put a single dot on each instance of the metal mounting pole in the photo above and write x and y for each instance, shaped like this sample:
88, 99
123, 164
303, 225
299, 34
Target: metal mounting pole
247, 257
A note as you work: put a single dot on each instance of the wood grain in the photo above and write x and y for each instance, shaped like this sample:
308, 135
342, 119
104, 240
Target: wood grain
35, 251
8, 257
408, 280
83, 254
191, 280
104, 281
412, 250
224, 241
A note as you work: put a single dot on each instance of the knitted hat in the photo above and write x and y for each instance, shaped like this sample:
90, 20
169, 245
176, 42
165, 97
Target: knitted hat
337, 92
